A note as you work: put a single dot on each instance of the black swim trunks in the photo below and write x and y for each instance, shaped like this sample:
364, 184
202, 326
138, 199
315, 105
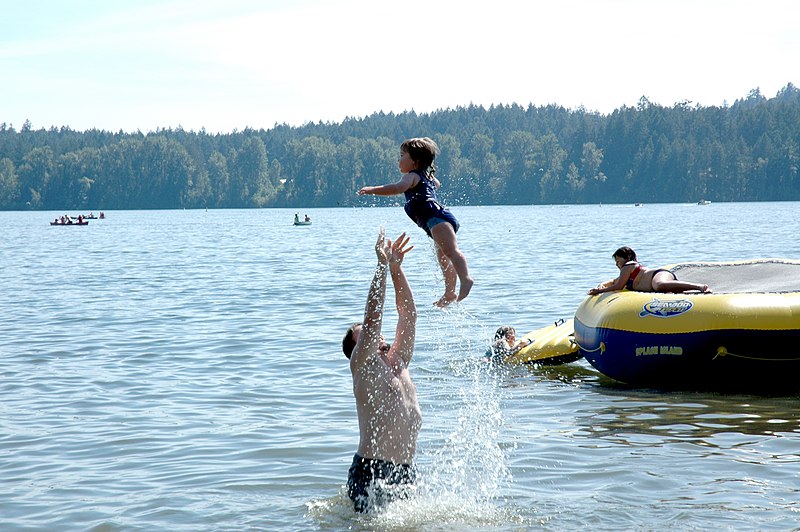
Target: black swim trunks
372, 482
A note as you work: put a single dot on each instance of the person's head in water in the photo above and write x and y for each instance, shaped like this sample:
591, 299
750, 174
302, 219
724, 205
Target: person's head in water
351, 339
507, 333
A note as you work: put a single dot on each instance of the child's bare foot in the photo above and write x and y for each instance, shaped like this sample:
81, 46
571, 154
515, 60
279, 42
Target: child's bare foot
444, 300
706, 289
466, 286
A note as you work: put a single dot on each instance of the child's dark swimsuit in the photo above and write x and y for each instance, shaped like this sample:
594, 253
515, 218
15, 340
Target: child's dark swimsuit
393, 481
422, 205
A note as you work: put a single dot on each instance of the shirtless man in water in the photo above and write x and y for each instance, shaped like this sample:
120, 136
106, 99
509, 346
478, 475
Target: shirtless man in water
389, 417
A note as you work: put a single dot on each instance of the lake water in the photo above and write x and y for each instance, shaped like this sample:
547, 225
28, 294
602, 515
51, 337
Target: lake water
182, 370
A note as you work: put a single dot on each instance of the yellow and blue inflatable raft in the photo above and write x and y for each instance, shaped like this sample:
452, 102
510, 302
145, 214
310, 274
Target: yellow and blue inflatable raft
744, 335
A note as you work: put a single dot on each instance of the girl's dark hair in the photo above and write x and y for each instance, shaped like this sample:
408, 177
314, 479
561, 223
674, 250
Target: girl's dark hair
423, 151
626, 253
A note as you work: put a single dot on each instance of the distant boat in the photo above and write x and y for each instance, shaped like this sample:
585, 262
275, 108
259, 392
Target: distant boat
298, 221
638, 204
70, 223
704, 202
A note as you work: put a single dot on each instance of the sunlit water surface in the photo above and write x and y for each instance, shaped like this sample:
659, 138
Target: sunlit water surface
182, 370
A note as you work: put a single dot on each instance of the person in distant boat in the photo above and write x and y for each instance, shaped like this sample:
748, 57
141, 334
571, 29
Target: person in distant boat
307, 219
297, 217
419, 185
635, 276
505, 344
389, 416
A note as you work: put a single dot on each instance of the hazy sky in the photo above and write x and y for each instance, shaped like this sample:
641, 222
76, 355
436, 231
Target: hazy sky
231, 64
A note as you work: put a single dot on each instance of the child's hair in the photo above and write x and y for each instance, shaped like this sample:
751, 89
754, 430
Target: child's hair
625, 253
503, 331
423, 151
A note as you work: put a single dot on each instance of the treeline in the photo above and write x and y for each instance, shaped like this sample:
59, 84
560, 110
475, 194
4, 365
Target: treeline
507, 154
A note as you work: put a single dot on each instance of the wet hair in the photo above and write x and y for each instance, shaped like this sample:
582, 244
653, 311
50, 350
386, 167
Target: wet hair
423, 151
348, 344
503, 331
625, 253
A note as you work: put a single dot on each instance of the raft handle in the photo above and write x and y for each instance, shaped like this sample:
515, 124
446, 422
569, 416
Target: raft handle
601, 348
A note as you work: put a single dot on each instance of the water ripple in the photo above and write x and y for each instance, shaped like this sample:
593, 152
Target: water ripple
183, 371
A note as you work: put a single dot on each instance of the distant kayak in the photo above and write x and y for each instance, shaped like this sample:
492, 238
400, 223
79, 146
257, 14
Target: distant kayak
305, 221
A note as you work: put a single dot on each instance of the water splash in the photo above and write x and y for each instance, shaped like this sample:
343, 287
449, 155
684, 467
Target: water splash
462, 460
463, 472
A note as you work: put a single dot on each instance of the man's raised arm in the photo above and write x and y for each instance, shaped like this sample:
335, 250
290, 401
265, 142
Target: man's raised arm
404, 299
369, 338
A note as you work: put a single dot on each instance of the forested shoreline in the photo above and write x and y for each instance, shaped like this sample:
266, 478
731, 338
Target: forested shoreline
506, 154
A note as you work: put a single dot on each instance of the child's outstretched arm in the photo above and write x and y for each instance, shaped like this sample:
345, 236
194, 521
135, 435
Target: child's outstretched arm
614, 284
405, 183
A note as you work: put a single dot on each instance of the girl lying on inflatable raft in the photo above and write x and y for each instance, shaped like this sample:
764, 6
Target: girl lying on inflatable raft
556, 344
743, 337
634, 276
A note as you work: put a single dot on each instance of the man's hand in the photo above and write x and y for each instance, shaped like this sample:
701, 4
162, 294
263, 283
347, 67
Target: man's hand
382, 248
398, 249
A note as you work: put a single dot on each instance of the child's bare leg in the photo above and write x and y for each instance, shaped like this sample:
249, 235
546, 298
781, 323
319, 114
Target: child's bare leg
678, 286
445, 237
450, 279
681, 286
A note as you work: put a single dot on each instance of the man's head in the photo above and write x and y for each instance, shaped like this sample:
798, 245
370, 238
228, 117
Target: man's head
351, 339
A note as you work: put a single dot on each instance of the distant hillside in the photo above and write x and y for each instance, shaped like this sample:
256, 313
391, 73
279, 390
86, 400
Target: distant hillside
748, 151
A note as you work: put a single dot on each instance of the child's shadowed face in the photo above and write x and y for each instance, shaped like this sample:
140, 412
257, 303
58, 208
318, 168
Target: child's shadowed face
406, 163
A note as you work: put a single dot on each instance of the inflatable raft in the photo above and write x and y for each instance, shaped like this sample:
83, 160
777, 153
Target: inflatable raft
743, 336
551, 345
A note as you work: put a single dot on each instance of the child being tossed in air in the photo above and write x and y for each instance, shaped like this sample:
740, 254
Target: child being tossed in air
419, 185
